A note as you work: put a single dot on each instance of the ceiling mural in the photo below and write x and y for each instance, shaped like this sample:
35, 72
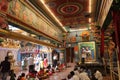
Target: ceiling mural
69, 12
74, 15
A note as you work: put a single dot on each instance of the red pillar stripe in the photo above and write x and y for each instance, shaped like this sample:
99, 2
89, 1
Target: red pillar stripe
102, 43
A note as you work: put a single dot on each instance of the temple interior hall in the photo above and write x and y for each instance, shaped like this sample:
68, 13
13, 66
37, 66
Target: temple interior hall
59, 39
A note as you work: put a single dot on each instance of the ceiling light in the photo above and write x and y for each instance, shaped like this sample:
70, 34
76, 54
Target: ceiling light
74, 30
52, 14
89, 20
90, 6
64, 29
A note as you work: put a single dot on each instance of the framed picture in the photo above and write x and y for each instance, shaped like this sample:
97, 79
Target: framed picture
87, 50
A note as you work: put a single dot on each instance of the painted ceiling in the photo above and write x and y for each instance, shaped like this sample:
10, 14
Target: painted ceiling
73, 14
70, 13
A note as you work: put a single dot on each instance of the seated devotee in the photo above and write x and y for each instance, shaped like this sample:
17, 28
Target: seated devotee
89, 73
32, 73
98, 75
76, 71
69, 77
83, 75
74, 77
40, 73
77, 64
22, 77
61, 67
43, 74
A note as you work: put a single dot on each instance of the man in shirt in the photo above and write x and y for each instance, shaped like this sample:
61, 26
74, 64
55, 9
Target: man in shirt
5, 68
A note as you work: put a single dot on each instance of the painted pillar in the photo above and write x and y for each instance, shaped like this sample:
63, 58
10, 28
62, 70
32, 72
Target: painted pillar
116, 23
102, 43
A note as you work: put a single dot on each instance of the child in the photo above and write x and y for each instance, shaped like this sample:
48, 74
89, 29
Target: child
23, 76
12, 75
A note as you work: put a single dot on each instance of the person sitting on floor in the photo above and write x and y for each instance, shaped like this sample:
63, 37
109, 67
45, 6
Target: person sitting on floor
83, 75
69, 77
32, 73
98, 75
23, 76
74, 77
76, 71
40, 74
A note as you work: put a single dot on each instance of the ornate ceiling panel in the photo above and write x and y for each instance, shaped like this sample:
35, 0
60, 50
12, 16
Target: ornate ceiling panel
69, 12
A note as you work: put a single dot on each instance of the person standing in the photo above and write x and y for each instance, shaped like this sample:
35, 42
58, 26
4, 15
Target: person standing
83, 55
88, 54
5, 68
31, 61
55, 59
45, 62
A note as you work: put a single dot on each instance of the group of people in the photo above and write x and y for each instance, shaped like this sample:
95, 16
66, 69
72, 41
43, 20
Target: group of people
36, 70
84, 74
38, 61
43, 73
